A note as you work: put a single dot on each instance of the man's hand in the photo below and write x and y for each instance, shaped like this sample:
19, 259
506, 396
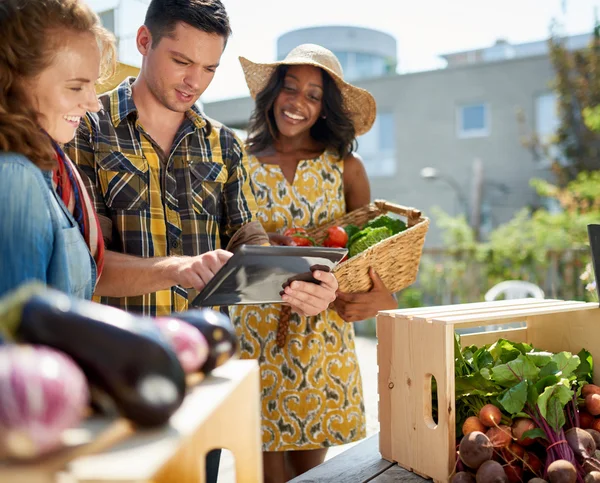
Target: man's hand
308, 298
280, 240
353, 307
196, 272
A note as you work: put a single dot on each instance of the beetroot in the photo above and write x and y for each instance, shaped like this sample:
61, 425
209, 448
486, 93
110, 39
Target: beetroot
474, 449
462, 477
514, 473
581, 442
490, 415
592, 477
500, 437
491, 472
596, 435
519, 427
471, 424
561, 471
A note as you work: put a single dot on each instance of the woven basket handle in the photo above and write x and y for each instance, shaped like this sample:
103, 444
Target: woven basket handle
411, 214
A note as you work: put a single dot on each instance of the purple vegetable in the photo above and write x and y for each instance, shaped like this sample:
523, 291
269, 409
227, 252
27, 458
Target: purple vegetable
42, 393
190, 345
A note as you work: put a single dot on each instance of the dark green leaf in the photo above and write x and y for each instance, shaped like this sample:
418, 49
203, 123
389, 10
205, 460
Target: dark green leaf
566, 362
532, 395
513, 400
535, 433
474, 384
586, 366
549, 369
513, 372
551, 404
540, 359
482, 358
544, 382
504, 351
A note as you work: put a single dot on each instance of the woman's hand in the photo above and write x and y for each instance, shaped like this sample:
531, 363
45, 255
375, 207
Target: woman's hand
353, 307
308, 298
280, 240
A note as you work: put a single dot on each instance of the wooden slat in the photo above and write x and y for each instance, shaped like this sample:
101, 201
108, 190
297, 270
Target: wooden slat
386, 327
458, 311
473, 320
396, 474
359, 464
479, 339
460, 307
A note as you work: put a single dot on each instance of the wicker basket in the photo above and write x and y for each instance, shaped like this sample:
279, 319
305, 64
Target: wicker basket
396, 259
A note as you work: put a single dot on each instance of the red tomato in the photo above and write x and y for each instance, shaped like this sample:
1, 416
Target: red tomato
336, 237
299, 237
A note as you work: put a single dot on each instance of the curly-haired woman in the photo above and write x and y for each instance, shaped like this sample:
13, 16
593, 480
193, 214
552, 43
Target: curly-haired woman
51, 55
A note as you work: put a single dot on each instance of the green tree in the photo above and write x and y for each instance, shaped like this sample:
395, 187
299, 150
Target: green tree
577, 85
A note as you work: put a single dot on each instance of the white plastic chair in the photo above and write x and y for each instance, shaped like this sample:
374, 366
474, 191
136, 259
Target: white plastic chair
514, 289
511, 289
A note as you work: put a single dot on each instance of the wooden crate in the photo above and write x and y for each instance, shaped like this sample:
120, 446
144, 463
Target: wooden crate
416, 344
223, 411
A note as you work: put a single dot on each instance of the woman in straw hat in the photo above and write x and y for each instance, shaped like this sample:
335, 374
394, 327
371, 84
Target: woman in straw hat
304, 174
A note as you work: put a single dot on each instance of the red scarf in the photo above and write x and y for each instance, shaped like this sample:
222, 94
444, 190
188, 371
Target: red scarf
71, 190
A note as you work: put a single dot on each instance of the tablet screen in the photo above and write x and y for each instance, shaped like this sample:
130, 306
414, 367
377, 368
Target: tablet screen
258, 274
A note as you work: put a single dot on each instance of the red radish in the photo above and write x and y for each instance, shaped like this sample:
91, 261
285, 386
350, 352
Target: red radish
42, 393
519, 427
596, 424
585, 420
190, 345
532, 463
590, 389
500, 437
514, 473
471, 424
490, 415
592, 404
513, 453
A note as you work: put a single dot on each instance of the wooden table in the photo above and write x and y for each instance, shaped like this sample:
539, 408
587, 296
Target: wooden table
223, 411
359, 464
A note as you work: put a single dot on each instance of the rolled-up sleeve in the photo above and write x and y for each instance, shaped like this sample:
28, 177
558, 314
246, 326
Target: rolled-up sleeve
240, 204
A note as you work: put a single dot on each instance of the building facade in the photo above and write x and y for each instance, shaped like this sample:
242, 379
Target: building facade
465, 123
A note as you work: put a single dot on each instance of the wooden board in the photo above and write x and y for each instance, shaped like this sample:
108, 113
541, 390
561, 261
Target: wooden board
360, 463
221, 412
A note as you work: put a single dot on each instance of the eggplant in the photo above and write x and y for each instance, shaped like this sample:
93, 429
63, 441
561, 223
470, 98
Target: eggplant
218, 331
124, 355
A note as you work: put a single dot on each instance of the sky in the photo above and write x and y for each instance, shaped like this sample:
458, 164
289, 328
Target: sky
423, 29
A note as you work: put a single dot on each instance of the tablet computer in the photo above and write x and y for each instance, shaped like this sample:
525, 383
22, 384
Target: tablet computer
258, 274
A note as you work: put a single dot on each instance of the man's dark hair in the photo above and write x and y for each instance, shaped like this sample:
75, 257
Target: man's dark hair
335, 131
206, 15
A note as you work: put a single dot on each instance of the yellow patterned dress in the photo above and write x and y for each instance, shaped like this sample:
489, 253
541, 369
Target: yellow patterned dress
311, 388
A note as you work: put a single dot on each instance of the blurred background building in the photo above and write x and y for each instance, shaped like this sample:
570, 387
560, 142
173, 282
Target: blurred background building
449, 137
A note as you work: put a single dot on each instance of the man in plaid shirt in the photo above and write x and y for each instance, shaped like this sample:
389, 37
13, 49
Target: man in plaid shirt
170, 186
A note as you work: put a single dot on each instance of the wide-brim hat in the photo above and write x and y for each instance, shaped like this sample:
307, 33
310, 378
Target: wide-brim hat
358, 103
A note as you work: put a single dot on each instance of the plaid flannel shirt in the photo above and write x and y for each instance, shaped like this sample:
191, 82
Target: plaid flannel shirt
190, 203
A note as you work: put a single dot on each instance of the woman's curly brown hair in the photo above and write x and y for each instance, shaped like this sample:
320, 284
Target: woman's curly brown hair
335, 131
31, 32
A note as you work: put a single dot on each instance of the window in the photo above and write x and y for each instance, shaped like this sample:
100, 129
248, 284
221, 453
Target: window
377, 147
473, 120
546, 125
107, 18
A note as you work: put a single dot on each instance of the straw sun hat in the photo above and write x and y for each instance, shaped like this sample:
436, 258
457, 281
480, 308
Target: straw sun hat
358, 103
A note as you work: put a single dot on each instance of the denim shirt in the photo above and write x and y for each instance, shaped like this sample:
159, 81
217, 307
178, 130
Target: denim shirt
39, 238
